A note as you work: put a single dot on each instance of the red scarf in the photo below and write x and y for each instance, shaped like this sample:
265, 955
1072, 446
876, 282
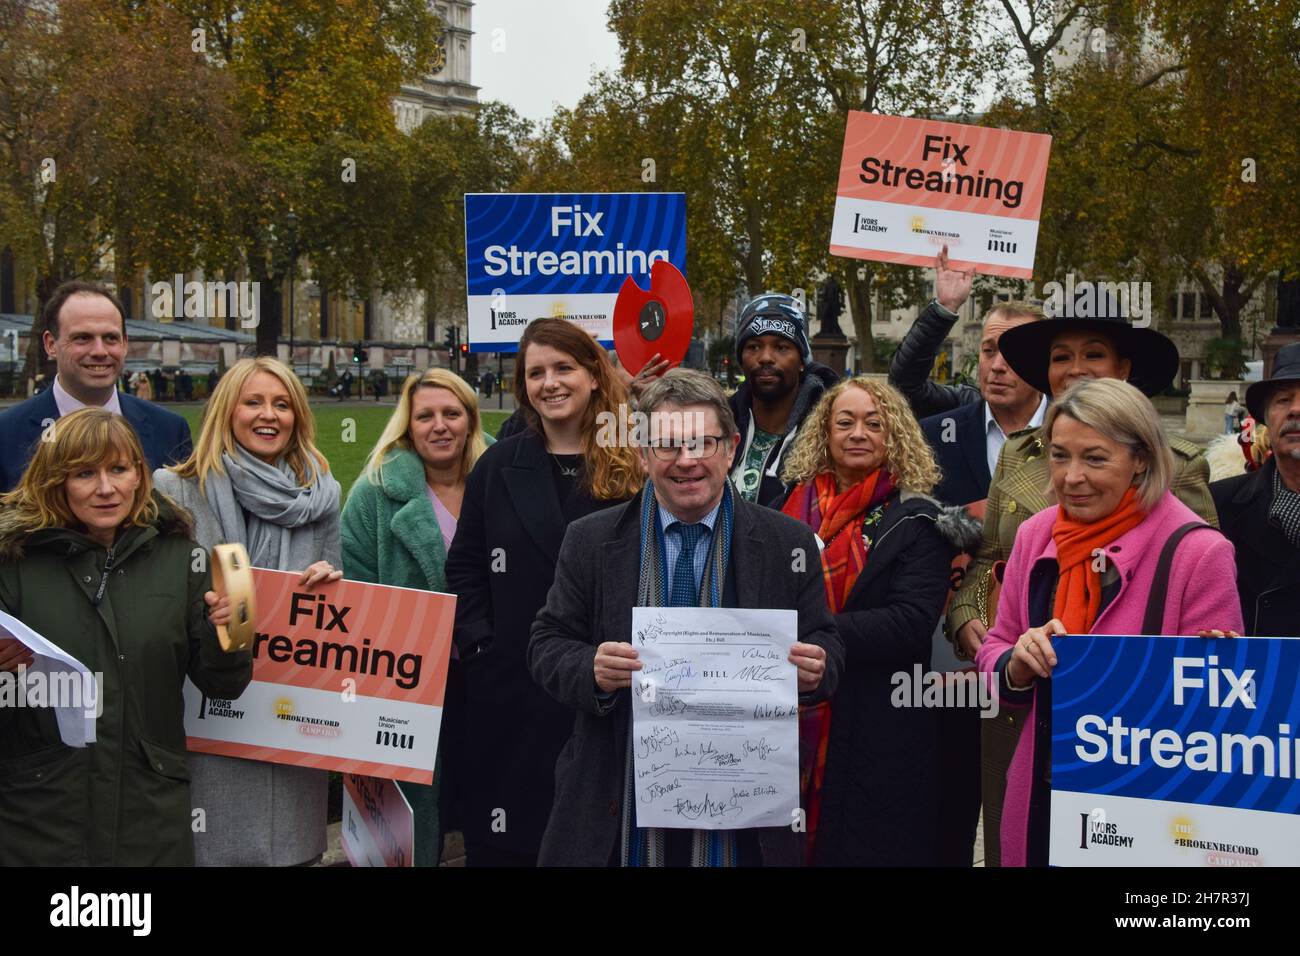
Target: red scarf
1078, 589
836, 517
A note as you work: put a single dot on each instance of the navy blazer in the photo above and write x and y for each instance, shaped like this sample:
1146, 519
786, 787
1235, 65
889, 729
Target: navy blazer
164, 435
963, 460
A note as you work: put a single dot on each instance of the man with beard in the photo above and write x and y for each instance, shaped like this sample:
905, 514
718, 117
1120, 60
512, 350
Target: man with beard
782, 384
1260, 511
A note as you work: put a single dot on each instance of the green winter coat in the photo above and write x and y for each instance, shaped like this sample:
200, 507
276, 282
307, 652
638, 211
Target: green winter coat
391, 536
125, 799
390, 533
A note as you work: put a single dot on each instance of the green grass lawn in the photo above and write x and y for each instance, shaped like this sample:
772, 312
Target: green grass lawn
346, 447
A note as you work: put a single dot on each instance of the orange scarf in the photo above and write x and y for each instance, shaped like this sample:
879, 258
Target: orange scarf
1078, 589
836, 516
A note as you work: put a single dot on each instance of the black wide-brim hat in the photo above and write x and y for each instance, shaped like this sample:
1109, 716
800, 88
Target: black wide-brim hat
1154, 358
1286, 368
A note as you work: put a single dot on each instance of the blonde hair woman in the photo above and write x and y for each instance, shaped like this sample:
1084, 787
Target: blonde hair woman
397, 526
862, 471
92, 559
256, 477
1164, 572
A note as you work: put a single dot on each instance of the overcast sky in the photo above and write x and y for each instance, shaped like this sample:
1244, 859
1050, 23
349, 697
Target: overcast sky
546, 51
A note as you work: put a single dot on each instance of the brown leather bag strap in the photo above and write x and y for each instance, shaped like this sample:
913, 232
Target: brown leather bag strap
1153, 621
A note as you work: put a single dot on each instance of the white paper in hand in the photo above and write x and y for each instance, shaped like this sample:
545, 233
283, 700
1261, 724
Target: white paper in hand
76, 717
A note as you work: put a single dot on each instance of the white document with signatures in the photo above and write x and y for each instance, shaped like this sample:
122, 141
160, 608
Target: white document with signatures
715, 718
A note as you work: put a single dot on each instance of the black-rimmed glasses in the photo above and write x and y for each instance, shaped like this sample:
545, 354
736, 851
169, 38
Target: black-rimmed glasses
702, 446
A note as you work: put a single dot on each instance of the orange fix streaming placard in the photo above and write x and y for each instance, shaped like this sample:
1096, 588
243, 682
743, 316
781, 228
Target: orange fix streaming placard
346, 676
908, 187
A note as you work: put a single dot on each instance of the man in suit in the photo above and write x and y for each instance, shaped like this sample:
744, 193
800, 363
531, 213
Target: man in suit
1260, 511
686, 540
967, 428
85, 334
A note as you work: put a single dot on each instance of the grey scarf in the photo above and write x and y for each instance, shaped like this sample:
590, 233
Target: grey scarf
264, 507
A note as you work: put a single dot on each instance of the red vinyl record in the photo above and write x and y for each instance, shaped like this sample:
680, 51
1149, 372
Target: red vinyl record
656, 320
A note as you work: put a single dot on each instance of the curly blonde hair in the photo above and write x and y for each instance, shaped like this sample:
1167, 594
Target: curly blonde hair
907, 454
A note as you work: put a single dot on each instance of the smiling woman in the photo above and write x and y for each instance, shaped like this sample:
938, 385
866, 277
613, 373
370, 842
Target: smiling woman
861, 475
256, 478
1118, 554
399, 521
519, 501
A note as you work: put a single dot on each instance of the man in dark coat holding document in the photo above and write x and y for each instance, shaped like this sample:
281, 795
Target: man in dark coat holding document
686, 540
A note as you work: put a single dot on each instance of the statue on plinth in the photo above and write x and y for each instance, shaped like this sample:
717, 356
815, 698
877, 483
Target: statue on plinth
830, 303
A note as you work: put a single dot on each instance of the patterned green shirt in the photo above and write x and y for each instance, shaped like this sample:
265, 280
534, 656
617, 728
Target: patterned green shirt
751, 470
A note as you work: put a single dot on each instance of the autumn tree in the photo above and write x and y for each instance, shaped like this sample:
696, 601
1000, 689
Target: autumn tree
883, 56
1230, 147
758, 95
727, 76
1173, 127
314, 85
622, 138
99, 161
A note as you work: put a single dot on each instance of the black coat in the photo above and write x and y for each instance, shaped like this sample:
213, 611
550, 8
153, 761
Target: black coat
964, 460
913, 362
880, 797
1268, 566
510, 519
595, 590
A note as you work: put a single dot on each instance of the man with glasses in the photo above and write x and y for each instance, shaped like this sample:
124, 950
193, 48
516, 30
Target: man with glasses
686, 540
782, 384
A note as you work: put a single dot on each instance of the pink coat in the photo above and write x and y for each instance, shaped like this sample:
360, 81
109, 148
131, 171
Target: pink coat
1202, 595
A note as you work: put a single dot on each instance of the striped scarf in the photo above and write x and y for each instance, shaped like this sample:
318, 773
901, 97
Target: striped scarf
645, 846
836, 517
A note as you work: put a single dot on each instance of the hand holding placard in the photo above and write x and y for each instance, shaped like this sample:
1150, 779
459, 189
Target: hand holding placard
951, 286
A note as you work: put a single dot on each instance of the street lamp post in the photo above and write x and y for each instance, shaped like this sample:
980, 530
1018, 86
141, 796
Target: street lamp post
291, 221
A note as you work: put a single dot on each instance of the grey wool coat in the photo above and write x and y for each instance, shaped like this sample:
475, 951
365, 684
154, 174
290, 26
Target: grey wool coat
591, 601
256, 813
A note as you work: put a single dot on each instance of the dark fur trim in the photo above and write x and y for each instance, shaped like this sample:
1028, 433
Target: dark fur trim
962, 529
